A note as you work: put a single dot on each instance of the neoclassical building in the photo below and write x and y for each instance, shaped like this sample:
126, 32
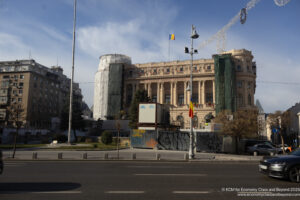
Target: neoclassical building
226, 81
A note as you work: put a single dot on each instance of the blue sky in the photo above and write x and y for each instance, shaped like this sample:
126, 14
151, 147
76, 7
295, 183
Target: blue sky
140, 29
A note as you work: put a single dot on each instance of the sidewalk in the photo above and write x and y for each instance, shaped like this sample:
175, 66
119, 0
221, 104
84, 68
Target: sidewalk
124, 154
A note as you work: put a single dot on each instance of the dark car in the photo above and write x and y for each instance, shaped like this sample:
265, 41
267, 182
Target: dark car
1, 163
265, 148
285, 166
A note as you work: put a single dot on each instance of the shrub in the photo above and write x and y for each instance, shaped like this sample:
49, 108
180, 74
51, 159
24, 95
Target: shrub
106, 137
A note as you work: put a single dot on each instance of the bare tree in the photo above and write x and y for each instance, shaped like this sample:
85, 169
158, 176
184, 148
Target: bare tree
240, 124
15, 116
280, 121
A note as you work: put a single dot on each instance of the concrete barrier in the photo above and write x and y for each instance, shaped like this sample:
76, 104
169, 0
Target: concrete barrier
106, 156
84, 156
34, 155
158, 156
133, 156
185, 156
60, 156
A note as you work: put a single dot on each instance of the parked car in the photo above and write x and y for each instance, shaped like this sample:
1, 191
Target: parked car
246, 143
263, 149
1, 163
287, 148
285, 166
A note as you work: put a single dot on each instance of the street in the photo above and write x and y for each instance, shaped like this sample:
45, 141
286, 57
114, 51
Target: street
138, 180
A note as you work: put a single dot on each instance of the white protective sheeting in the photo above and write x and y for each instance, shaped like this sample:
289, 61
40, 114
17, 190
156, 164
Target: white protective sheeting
101, 87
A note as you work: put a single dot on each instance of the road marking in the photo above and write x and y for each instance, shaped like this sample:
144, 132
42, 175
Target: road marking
191, 192
125, 192
170, 174
167, 167
58, 192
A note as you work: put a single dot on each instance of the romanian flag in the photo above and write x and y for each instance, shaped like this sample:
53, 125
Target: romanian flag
191, 110
171, 36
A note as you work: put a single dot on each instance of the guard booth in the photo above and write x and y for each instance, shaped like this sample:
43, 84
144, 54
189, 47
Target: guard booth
153, 116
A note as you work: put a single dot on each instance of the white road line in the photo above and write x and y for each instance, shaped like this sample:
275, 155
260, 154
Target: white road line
170, 174
125, 192
167, 167
58, 192
191, 192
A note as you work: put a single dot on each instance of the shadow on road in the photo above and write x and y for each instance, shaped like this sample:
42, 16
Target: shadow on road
25, 187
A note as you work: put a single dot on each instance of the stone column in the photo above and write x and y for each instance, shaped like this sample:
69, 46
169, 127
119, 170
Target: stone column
158, 93
203, 93
175, 94
162, 90
145, 86
171, 93
184, 92
149, 91
199, 92
214, 92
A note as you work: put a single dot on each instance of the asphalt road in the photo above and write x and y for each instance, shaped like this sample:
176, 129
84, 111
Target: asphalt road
139, 180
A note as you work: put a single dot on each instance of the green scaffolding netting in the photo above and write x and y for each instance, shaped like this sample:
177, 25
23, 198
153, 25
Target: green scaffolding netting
225, 83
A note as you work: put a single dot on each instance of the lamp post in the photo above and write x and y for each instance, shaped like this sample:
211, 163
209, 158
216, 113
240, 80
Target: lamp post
72, 77
194, 35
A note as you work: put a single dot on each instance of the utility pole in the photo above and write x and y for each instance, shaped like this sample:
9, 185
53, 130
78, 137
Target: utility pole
72, 76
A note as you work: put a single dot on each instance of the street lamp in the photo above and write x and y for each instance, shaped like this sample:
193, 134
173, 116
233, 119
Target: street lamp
194, 35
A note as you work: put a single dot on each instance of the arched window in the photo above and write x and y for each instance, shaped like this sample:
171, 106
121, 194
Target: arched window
195, 122
180, 119
249, 100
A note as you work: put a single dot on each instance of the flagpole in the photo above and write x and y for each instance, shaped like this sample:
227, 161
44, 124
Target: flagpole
169, 48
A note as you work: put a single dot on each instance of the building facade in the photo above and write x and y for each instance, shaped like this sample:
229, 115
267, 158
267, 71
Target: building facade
167, 83
40, 91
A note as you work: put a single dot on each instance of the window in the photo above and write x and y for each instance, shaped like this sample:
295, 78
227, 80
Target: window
249, 84
5, 84
249, 100
14, 92
21, 76
13, 100
240, 100
209, 98
195, 98
3, 100
208, 67
239, 68
19, 99
167, 99
180, 119
20, 91
239, 84
181, 69
168, 70
180, 99
21, 84
6, 77
154, 71
154, 98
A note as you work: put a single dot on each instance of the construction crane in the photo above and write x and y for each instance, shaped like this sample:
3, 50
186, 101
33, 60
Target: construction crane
220, 36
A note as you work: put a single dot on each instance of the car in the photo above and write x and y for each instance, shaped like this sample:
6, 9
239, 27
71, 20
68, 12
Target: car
264, 149
246, 143
1, 163
287, 148
284, 166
